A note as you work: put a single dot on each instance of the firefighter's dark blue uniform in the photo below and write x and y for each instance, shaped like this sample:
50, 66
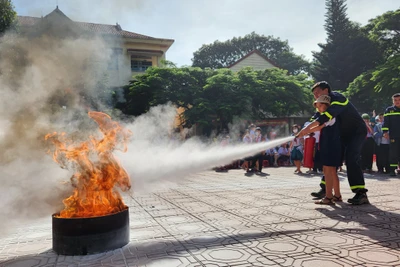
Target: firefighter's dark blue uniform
353, 132
392, 124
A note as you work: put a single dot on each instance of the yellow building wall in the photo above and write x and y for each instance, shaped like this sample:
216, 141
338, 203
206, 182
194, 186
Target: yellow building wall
123, 74
255, 61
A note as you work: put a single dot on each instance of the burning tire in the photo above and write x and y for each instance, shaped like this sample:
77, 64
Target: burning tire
82, 236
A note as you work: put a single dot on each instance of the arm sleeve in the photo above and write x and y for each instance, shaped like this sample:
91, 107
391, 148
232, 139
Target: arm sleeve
377, 132
339, 103
386, 122
314, 117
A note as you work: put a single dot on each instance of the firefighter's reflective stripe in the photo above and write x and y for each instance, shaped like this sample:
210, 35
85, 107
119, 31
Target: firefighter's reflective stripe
393, 165
385, 129
323, 182
391, 113
340, 103
328, 115
357, 187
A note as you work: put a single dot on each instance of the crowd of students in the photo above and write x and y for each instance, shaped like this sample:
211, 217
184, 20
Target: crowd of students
271, 157
287, 154
342, 136
375, 144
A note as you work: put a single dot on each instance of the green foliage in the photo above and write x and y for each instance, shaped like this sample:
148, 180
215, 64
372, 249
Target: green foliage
362, 93
385, 30
343, 57
213, 98
168, 64
7, 15
374, 87
387, 76
337, 25
222, 54
275, 93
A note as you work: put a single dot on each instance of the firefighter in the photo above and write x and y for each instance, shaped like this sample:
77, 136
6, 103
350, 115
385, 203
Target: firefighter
391, 130
353, 132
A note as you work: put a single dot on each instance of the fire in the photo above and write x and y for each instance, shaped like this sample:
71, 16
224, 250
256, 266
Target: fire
98, 173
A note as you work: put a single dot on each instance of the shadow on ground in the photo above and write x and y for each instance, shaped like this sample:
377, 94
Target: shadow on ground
369, 222
144, 252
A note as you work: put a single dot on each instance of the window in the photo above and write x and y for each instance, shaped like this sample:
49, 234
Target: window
140, 63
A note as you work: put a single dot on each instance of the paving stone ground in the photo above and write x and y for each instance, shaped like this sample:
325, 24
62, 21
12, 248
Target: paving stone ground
230, 219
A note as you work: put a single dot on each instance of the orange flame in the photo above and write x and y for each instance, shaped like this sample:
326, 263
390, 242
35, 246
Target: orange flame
98, 173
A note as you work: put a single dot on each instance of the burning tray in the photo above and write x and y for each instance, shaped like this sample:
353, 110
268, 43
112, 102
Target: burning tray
82, 236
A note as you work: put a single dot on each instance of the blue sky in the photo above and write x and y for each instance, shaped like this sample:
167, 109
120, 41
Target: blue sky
192, 23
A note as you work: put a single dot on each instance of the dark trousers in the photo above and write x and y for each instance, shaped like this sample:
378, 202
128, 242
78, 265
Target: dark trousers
270, 158
284, 158
258, 157
394, 153
367, 154
317, 160
382, 157
352, 146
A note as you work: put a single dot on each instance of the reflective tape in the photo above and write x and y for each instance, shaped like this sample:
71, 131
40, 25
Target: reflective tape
385, 129
340, 103
323, 182
391, 113
357, 187
328, 115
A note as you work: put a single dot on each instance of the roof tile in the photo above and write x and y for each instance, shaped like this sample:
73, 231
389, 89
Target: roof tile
92, 27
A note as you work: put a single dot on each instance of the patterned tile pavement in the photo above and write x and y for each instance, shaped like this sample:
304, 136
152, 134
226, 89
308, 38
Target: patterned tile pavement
232, 219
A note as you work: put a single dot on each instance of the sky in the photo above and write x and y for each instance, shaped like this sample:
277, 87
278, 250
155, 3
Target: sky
193, 23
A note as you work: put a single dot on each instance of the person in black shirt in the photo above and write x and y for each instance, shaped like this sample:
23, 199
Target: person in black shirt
391, 130
353, 132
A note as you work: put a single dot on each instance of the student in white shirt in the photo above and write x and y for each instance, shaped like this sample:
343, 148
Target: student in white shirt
296, 149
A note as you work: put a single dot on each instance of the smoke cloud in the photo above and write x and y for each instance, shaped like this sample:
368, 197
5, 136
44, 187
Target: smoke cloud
49, 82
156, 157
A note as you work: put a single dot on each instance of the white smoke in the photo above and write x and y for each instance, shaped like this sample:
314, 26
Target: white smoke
154, 156
48, 84
42, 81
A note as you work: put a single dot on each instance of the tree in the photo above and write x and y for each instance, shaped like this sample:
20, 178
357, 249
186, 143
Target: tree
326, 61
363, 95
222, 54
213, 98
385, 30
373, 88
7, 15
343, 58
161, 85
274, 93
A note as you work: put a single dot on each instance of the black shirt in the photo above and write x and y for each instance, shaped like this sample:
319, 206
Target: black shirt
350, 120
391, 122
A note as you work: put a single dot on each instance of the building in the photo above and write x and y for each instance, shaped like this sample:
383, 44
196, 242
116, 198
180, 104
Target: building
280, 126
254, 59
130, 53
